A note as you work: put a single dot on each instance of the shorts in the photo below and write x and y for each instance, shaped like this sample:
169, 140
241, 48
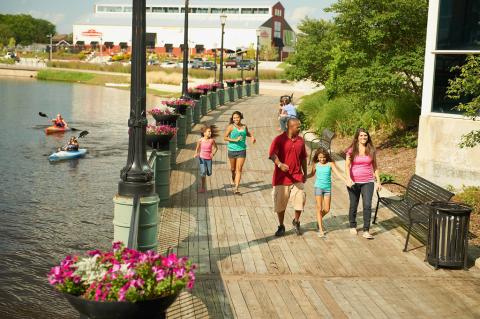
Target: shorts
322, 192
237, 154
282, 194
205, 167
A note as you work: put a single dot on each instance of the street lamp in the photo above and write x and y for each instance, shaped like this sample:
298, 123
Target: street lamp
136, 176
215, 62
185, 53
259, 33
51, 44
223, 19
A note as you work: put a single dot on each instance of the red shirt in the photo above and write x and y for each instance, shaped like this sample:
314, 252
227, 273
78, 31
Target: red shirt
290, 152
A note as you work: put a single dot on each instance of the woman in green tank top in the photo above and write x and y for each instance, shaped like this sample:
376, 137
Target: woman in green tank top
236, 135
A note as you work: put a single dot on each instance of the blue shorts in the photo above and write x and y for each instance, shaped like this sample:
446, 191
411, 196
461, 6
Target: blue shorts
205, 167
322, 192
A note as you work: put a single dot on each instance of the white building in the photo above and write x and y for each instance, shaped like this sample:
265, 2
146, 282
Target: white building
110, 24
453, 32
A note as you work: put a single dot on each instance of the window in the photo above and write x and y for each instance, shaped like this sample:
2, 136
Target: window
216, 10
247, 10
263, 11
458, 25
127, 9
195, 10
109, 9
277, 30
166, 9
278, 12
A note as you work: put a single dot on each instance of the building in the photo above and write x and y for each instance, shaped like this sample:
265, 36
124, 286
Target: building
110, 24
453, 32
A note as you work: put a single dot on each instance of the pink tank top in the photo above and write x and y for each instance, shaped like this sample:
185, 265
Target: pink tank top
206, 149
361, 170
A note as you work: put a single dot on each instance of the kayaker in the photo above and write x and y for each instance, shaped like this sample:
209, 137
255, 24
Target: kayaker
72, 145
59, 121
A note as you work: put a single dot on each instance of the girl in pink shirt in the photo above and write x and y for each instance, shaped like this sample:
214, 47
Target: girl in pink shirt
361, 173
205, 151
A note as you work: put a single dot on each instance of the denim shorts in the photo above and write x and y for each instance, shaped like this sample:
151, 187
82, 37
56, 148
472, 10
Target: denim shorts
237, 154
205, 167
322, 192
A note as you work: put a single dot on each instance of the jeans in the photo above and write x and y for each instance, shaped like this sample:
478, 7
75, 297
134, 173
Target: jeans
283, 122
205, 167
354, 192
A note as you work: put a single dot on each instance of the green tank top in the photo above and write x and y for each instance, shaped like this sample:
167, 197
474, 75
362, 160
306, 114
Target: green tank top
240, 145
323, 176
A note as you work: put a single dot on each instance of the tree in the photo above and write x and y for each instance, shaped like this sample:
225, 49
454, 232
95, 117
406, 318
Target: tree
11, 43
250, 52
313, 52
268, 53
25, 29
467, 86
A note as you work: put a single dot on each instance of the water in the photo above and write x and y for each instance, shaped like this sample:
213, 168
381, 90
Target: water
50, 210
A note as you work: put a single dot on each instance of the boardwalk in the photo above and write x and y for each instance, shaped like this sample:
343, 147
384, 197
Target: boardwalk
246, 272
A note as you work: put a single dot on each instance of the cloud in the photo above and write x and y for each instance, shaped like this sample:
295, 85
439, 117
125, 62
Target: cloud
301, 13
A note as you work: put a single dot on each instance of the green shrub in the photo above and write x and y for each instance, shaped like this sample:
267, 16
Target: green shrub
386, 178
67, 76
7, 61
470, 195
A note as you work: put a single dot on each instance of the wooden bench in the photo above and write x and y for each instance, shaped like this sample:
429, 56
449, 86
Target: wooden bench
413, 205
325, 141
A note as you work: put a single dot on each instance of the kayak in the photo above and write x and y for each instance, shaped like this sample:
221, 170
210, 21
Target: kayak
67, 155
56, 129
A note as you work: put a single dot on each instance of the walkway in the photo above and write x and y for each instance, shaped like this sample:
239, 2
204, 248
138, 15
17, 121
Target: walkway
246, 272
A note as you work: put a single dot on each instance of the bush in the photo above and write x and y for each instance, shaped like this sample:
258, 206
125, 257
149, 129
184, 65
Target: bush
470, 195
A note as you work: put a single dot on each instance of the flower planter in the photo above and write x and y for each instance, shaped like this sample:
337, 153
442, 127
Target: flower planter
231, 84
195, 94
231, 94
248, 81
158, 142
239, 82
155, 308
181, 108
248, 89
203, 109
239, 91
196, 112
166, 119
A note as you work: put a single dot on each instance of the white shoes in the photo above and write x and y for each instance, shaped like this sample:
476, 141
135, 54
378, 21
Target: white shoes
367, 235
353, 231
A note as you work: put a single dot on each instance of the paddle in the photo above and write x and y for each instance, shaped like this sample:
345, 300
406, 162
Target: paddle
46, 116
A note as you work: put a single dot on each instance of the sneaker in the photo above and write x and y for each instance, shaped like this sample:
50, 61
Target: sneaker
321, 234
367, 235
353, 231
296, 226
280, 231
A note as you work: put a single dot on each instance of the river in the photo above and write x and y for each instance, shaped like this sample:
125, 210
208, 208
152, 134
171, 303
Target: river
48, 210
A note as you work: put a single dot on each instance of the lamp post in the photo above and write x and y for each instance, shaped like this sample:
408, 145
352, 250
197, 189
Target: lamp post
136, 176
51, 44
185, 53
223, 19
259, 32
215, 63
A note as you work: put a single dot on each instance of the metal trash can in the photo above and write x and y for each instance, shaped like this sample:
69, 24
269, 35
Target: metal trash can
447, 243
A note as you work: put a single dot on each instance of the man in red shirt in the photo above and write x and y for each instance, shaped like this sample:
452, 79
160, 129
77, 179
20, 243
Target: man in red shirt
290, 157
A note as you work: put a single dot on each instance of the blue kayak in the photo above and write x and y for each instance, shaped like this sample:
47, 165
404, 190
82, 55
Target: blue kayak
67, 155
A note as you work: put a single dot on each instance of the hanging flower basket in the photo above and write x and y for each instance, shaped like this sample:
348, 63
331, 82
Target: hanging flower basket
159, 136
205, 88
231, 83
180, 105
164, 114
122, 283
195, 93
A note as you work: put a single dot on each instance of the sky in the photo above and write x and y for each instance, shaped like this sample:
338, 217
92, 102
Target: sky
63, 13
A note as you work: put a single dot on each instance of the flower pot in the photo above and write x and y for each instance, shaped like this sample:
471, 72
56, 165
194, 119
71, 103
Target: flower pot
159, 142
248, 81
166, 119
195, 95
239, 82
231, 84
182, 108
154, 308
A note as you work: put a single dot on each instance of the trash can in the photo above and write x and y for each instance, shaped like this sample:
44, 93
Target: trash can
447, 243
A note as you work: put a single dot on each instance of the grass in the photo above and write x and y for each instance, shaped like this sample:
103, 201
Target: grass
66, 76
7, 61
194, 73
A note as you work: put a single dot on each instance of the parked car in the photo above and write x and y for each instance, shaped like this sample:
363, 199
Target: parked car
197, 63
208, 65
230, 64
246, 65
169, 65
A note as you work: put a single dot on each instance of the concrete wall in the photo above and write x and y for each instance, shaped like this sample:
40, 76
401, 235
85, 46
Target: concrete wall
440, 159
18, 73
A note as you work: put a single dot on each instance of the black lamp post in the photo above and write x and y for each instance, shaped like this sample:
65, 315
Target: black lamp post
185, 53
223, 19
258, 53
136, 176
215, 63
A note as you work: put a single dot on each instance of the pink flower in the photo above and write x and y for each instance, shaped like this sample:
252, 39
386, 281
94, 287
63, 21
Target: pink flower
179, 272
170, 261
161, 130
117, 245
159, 273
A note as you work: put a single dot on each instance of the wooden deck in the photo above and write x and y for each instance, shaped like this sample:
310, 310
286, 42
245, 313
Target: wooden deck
246, 272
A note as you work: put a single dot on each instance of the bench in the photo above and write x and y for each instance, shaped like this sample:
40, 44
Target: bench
325, 141
413, 205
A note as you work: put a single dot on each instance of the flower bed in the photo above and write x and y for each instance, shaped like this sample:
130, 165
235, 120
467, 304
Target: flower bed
122, 274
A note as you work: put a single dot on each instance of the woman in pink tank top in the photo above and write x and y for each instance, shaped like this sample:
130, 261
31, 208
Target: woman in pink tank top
205, 151
361, 173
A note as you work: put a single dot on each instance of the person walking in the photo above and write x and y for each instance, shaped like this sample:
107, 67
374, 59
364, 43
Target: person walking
236, 135
287, 111
288, 153
205, 151
361, 171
